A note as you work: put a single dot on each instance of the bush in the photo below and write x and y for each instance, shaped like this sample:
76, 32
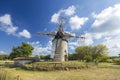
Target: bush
109, 61
116, 60
88, 58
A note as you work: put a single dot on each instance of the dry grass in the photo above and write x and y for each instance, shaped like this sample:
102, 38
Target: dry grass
104, 71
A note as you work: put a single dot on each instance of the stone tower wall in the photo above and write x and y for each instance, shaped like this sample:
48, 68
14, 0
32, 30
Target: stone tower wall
61, 51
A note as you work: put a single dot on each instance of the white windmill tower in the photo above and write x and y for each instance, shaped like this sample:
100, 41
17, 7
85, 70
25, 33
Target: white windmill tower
60, 40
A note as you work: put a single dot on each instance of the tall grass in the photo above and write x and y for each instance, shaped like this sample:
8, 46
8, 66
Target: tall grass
3, 74
51, 66
6, 75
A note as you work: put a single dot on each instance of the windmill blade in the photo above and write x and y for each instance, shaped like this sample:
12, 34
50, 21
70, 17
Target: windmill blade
61, 20
68, 35
80, 37
61, 24
52, 34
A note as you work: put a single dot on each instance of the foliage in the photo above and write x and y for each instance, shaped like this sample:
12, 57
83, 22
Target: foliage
98, 51
4, 56
103, 57
42, 57
25, 50
81, 51
116, 60
72, 56
109, 61
47, 57
88, 58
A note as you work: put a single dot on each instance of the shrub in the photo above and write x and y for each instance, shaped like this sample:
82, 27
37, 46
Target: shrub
88, 58
109, 61
116, 60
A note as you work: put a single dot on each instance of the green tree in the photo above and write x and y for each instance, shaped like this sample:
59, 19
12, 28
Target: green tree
72, 56
4, 56
81, 51
93, 51
47, 57
41, 57
103, 57
88, 58
25, 50
98, 50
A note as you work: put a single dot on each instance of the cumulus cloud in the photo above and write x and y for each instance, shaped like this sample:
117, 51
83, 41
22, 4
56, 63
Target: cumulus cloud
68, 12
6, 19
72, 45
76, 22
106, 27
55, 17
25, 33
113, 45
7, 26
41, 50
2, 52
107, 20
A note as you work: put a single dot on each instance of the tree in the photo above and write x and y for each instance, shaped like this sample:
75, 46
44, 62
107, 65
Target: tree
41, 57
4, 56
93, 51
72, 56
88, 58
98, 51
25, 50
81, 51
47, 57
103, 58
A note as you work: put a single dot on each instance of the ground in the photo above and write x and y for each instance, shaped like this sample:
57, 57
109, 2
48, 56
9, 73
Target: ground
104, 71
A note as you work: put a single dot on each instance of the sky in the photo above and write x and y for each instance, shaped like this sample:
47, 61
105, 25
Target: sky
20, 20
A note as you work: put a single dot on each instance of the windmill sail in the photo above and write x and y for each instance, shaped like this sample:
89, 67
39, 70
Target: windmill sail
59, 41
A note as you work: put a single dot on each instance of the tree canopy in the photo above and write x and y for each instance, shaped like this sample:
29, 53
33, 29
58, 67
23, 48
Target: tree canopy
4, 56
24, 50
96, 52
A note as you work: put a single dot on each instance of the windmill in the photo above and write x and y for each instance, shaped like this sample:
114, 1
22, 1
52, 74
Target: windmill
60, 40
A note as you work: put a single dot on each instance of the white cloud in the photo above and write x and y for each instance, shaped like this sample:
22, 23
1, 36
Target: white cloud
113, 45
68, 12
41, 50
76, 22
7, 26
6, 19
2, 52
25, 33
106, 28
107, 20
55, 17
88, 39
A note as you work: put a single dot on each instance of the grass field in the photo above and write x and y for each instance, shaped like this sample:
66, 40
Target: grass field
104, 71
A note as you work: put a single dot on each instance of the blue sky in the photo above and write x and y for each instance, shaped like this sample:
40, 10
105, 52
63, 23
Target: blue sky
21, 19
